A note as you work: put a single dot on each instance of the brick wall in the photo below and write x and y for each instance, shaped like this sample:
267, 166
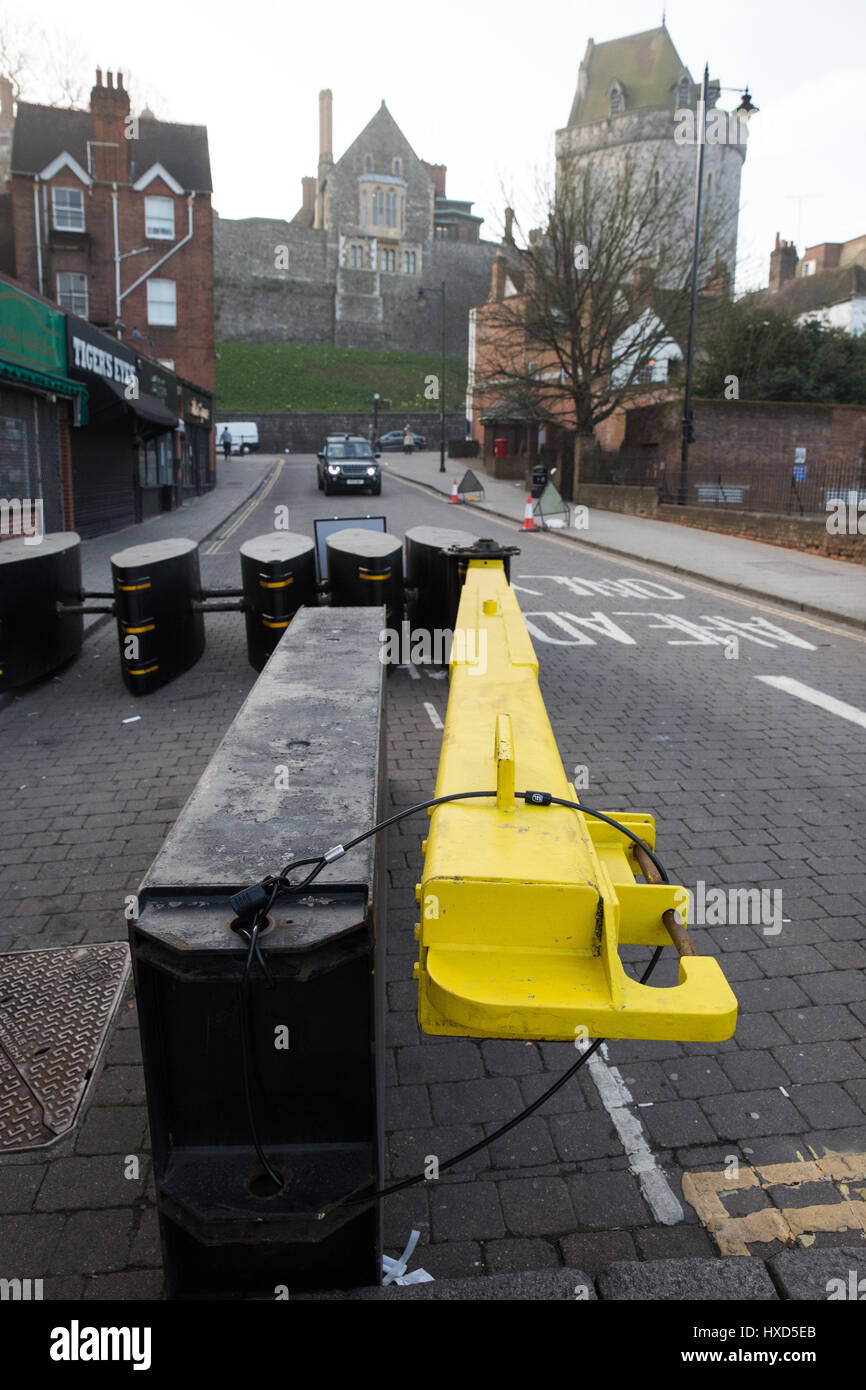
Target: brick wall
751, 444
304, 432
795, 532
636, 501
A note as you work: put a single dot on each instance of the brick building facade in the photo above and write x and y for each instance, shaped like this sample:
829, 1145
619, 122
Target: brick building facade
112, 218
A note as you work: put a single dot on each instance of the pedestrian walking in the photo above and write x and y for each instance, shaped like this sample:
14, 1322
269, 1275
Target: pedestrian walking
226, 442
408, 440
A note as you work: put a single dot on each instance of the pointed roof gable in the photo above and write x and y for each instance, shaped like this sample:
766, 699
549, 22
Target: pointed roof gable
43, 132
646, 65
380, 129
808, 293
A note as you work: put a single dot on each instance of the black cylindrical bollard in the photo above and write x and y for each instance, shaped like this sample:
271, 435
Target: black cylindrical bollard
161, 634
427, 572
279, 576
34, 637
365, 568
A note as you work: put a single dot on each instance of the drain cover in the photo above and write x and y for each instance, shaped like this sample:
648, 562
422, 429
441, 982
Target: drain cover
55, 1008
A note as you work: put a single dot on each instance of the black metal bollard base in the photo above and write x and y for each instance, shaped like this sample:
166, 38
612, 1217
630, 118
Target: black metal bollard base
298, 1047
34, 577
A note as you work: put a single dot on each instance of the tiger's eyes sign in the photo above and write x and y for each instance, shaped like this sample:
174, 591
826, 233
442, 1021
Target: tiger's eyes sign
98, 360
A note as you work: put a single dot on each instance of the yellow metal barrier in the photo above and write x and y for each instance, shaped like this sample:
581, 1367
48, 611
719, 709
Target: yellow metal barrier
524, 908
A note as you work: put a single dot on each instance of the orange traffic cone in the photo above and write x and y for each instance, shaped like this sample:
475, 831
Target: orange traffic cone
528, 518
454, 498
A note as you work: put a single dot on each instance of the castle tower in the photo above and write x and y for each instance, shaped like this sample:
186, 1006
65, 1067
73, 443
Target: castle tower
628, 93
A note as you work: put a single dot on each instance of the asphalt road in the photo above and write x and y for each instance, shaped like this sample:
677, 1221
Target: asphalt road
669, 696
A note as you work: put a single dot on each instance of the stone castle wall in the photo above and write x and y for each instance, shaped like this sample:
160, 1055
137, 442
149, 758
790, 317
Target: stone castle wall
258, 301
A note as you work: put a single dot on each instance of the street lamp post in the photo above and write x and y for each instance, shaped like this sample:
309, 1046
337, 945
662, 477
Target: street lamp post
744, 111
421, 295
375, 416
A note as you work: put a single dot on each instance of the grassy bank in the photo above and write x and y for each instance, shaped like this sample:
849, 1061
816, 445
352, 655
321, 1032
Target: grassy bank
275, 376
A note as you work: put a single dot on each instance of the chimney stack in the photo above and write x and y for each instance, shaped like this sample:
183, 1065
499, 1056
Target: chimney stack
326, 136
718, 278
497, 278
783, 263
308, 202
509, 227
643, 285
7, 98
109, 108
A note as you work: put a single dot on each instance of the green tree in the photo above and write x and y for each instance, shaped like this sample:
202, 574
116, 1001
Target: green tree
776, 358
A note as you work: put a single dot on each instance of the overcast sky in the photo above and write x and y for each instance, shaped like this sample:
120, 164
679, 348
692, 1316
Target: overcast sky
482, 85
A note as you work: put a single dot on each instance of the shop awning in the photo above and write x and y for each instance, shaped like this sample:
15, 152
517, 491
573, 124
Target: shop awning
47, 381
155, 411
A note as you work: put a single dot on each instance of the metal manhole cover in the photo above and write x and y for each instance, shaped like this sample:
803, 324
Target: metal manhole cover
55, 1008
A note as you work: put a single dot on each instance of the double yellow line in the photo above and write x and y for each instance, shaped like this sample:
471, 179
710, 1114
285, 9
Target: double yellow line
246, 512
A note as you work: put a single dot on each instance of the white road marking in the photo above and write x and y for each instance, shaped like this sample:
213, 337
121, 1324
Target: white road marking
434, 717
435, 675
817, 697
412, 672
616, 1099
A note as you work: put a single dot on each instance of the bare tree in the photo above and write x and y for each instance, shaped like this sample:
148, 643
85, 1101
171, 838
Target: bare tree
600, 289
62, 68
47, 66
15, 55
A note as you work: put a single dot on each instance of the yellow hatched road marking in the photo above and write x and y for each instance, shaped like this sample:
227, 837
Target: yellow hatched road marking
733, 1234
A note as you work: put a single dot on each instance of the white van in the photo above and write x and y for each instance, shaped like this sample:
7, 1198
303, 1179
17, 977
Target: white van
245, 436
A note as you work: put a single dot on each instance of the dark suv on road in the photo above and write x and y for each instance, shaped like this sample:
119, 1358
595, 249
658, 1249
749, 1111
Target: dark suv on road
347, 461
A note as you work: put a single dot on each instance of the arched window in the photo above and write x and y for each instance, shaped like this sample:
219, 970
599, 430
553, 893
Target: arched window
709, 182
409, 262
684, 92
616, 98
357, 258
368, 164
397, 168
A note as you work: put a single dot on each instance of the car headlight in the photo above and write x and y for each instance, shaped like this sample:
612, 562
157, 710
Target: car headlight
371, 471
333, 468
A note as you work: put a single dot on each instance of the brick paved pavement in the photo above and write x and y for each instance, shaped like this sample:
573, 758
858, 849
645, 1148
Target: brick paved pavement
749, 787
